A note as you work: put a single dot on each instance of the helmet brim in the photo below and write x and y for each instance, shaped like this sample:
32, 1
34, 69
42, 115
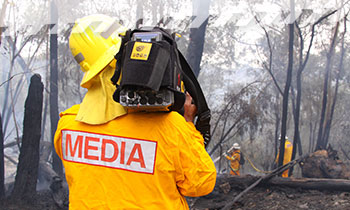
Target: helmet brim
99, 65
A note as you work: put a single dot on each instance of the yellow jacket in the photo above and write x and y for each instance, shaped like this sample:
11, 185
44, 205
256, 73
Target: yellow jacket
137, 161
235, 158
288, 149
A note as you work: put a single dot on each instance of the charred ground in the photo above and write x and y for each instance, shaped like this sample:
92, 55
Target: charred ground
43, 200
261, 197
270, 198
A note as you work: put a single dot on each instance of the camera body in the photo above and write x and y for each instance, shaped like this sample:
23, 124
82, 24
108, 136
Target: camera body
149, 76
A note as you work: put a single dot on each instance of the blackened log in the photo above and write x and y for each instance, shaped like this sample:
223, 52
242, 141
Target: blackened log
241, 182
27, 169
325, 164
228, 187
312, 183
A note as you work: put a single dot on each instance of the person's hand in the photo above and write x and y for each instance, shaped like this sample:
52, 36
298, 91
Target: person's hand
190, 109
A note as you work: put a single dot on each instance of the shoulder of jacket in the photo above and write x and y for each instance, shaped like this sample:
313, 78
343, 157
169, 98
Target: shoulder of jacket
173, 117
71, 111
174, 114
179, 121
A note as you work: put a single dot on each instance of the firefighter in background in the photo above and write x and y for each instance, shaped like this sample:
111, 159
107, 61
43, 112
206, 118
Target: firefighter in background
288, 149
235, 158
119, 160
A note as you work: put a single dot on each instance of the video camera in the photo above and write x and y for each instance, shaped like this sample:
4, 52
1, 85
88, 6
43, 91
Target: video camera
155, 75
147, 94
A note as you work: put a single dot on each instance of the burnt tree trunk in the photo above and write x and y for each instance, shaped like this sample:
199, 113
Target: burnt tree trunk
286, 93
195, 48
2, 163
197, 34
56, 161
321, 141
277, 123
340, 70
27, 169
302, 65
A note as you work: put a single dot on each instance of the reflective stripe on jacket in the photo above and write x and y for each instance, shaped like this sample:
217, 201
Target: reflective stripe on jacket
137, 161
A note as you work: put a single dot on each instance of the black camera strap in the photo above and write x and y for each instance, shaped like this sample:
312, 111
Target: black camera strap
119, 56
193, 87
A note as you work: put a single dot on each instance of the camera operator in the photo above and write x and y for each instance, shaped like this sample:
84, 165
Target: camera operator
119, 160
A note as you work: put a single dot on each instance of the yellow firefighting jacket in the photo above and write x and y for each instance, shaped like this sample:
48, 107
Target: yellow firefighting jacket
235, 158
288, 149
137, 161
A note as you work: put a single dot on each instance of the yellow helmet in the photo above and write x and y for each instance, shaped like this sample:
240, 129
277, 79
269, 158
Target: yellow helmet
94, 41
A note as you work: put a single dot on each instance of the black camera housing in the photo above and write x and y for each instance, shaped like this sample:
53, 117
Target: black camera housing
151, 75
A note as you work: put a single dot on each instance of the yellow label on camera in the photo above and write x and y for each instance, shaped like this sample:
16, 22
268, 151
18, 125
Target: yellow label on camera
141, 51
